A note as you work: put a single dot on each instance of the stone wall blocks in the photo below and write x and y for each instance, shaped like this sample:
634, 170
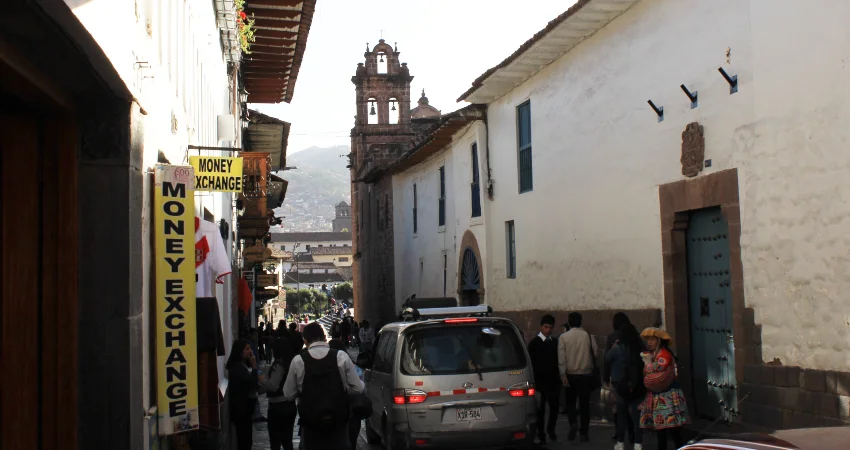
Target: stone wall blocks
752, 373
838, 382
844, 407
763, 415
822, 404
813, 380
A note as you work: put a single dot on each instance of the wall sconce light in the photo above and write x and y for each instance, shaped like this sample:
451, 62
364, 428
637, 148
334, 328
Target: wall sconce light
733, 80
243, 96
691, 95
658, 110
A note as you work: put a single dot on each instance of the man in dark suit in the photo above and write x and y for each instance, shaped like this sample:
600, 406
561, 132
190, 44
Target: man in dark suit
544, 361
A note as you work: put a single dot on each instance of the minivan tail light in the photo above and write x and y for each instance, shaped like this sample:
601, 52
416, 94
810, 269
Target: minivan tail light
463, 320
409, 396
524, 389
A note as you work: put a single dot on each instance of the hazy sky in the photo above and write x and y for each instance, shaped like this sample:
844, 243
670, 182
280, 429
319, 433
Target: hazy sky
445, 43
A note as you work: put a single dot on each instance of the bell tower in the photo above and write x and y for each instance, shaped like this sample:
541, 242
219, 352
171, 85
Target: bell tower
382, 132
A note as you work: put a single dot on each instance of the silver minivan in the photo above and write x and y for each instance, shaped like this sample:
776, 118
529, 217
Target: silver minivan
451, 378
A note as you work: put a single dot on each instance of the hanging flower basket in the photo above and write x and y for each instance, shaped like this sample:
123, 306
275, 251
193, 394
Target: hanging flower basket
245, 25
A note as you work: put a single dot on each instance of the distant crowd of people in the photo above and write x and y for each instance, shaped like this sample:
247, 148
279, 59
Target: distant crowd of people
639, 368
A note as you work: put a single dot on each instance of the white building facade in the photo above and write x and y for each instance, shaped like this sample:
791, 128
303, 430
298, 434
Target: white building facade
720, 214
438, 218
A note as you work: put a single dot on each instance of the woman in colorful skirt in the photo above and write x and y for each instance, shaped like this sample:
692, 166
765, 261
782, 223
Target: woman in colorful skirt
664, 409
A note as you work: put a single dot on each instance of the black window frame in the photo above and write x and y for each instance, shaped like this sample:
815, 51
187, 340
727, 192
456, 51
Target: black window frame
415, 210
441, 216
475, 187
510, 248
525, 172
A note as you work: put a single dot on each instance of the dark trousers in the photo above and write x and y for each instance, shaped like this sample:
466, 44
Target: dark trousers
549, 394
325, 439
353, 432
281, 423
628, 419
244, 433
579, 389
674, 434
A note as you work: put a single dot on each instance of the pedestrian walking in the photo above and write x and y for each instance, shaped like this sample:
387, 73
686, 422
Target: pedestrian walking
268, 337
543, 351
354, 422
281, 415
335, 332
367, 337
261, 341
627, 382
355, 333
664, 409
243, 378
345, 331
576, 363
619, 320
322, 379
296, 339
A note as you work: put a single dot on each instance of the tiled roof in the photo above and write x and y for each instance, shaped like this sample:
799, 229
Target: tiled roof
280, 254
307, 237
345, 272
332, 250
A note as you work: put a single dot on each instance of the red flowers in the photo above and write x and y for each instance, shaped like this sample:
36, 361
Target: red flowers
242, 15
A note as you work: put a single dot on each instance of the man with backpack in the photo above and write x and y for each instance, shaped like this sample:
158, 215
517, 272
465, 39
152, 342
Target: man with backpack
322, 379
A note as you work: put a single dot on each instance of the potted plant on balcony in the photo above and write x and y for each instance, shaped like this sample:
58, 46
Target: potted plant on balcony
245, 25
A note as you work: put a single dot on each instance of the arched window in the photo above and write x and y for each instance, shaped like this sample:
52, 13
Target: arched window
382, 62
394, 108
372, 111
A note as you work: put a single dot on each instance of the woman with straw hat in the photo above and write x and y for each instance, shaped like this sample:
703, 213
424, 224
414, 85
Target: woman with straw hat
664, 409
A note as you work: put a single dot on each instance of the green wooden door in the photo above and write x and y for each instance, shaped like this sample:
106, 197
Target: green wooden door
710, 302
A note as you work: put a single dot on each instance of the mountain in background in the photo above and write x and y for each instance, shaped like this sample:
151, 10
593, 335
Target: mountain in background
320, 181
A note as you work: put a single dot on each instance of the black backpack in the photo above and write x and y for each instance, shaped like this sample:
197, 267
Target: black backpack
630, 386
324, 401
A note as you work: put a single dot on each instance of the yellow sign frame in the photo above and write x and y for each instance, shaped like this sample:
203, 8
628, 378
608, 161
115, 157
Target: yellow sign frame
176, 334
217, 174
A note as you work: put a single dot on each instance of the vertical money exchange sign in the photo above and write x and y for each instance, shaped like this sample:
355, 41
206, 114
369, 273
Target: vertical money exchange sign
176, 348
217, 174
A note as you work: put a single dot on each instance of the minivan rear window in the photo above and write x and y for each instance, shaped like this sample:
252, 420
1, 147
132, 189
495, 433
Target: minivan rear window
447, 350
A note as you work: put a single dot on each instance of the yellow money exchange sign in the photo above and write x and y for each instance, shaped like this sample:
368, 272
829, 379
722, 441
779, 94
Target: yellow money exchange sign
217, 174
176, 348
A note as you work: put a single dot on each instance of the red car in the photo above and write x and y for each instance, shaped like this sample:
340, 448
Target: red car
801, 438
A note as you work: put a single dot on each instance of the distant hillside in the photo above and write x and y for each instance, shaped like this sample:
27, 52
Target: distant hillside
320, 181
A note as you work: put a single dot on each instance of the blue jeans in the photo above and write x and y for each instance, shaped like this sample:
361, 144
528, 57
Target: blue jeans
628, 417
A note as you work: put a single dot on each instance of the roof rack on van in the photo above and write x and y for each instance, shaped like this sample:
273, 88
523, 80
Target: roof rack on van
414, 314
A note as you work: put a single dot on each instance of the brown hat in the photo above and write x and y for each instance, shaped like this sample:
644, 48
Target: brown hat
655, 332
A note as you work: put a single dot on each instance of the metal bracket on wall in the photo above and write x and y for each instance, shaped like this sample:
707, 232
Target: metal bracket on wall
733, 80
659, 110
693, 96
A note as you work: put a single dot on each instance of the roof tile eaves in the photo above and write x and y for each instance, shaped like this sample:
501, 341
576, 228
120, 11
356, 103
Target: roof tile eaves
478, 82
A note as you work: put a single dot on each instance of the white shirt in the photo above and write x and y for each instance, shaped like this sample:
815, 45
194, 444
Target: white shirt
542, 338
318, 350
211, 262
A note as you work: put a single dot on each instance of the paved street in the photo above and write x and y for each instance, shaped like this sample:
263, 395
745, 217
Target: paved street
600, 436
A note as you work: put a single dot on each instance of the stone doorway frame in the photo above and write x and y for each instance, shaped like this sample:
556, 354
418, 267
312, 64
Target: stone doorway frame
676, 200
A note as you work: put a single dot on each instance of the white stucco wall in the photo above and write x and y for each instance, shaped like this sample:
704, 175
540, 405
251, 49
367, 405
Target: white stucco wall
588, 236
419, 256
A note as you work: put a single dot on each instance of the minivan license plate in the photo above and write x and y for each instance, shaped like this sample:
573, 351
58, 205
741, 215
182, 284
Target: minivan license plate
464, 414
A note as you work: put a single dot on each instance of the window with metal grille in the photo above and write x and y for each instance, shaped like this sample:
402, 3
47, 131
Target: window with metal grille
476, 183
510, 246
415, 204
526, 179
442, 201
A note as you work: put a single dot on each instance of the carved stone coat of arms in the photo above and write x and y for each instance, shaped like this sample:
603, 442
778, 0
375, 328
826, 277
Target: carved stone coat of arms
693, 149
